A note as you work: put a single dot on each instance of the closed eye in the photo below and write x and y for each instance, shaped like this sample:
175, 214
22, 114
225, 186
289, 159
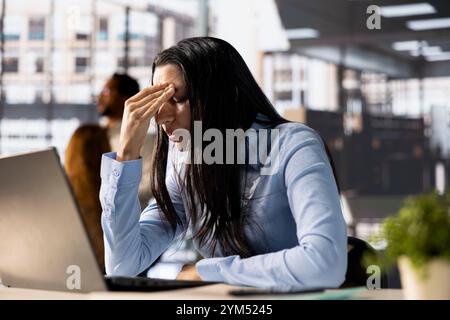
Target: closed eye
178, 100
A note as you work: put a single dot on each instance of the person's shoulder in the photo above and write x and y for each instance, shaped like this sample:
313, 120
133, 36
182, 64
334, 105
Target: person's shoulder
297, 137
297, 133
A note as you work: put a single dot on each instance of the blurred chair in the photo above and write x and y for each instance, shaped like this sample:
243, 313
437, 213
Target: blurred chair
356, 275
82, 164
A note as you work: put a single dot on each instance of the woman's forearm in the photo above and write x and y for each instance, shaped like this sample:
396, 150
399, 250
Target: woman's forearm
132, 241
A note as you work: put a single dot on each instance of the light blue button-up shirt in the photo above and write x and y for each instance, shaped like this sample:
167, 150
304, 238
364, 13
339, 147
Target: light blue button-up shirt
300, 240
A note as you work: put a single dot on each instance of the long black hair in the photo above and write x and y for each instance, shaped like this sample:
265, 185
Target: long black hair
223, 95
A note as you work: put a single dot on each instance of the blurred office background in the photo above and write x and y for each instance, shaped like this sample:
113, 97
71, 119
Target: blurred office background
379, 96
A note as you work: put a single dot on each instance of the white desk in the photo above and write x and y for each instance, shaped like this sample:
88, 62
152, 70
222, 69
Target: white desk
211, 292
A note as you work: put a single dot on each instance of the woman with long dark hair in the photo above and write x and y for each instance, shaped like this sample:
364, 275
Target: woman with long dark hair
263, 208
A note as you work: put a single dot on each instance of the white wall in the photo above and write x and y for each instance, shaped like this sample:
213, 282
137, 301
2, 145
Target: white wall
251, 26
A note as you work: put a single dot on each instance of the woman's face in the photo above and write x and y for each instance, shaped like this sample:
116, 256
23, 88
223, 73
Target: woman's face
175, 113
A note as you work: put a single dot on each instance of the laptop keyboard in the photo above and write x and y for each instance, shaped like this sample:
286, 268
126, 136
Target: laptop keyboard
149, 284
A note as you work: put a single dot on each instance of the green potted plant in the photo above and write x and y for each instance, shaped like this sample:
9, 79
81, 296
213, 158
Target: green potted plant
418, 239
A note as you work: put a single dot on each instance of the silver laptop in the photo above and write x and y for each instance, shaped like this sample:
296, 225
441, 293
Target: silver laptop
43, 241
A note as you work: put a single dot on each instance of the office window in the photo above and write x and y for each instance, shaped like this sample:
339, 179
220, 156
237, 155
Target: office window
374, 88
283, 75
283, 95
11, 64
39, 96
132, 36
82, 30
302, 76
102, 29
81, 64
12, 26
302, 98
39, 65
321, 77
36, 28
12, 36
132, 62
81, 36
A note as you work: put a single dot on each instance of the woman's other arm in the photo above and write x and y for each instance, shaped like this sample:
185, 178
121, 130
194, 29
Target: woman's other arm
320, 258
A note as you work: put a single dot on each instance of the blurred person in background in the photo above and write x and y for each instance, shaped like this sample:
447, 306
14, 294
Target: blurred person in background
82, 165
111, 103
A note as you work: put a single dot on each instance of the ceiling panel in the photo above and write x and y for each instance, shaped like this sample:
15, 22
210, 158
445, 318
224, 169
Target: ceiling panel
342, 23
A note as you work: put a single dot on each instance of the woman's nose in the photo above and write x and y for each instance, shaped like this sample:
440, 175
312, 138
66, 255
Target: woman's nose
166, 114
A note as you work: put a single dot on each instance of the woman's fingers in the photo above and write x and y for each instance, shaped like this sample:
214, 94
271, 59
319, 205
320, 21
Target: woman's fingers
146, 99
134, 125
146, 91
152, 107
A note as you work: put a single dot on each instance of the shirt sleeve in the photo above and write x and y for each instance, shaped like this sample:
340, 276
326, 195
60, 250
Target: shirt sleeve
320, 258
133, 240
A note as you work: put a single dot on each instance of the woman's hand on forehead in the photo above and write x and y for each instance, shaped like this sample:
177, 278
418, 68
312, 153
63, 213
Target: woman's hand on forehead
139, 109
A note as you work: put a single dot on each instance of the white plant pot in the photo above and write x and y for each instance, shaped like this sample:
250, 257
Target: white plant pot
435, 285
